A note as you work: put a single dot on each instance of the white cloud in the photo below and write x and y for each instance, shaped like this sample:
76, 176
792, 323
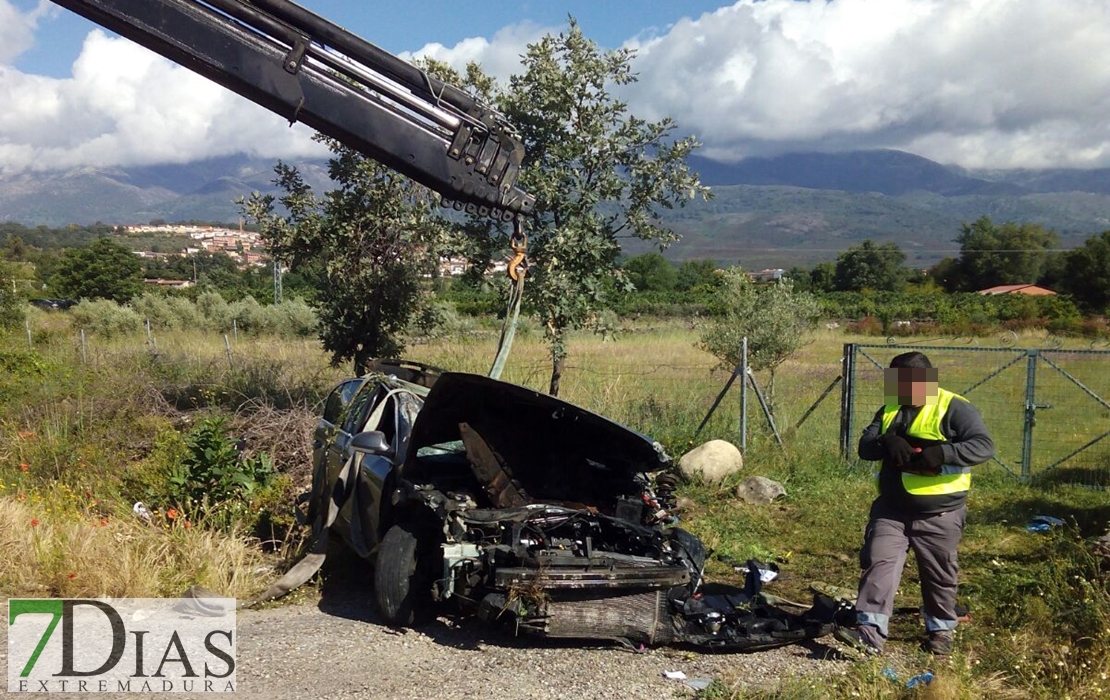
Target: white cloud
124, 105
499, 57
17, 29
996, 83
992, 83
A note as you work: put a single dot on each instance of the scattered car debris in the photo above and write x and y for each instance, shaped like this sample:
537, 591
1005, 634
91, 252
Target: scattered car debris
1043, 523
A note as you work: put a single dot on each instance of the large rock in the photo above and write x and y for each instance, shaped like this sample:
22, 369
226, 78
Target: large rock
711, 462
759, 490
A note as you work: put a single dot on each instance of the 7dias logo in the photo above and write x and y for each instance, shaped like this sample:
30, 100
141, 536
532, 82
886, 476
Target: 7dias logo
126, 645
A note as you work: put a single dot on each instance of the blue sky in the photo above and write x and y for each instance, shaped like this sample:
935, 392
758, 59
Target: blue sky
408, 25
983, 84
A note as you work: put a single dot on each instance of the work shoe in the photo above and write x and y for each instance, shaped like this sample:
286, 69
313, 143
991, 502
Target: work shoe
939, 643
854, 639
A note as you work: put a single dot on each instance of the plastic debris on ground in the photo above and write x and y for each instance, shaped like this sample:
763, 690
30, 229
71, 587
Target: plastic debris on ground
767, 572
1043, 523
920, 679
141, 511
674, 675
699, 684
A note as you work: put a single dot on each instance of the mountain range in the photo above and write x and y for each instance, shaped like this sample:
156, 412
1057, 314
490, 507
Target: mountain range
798, 208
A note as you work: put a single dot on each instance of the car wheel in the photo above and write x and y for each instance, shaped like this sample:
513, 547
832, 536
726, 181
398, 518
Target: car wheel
403, 576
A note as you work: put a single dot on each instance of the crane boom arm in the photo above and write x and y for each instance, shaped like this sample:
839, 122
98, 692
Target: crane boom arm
301, 66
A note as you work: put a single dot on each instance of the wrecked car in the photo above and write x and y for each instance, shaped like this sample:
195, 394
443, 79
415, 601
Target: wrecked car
525, 510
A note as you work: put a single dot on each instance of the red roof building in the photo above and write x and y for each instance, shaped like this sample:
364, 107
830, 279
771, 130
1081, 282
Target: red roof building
1030, 289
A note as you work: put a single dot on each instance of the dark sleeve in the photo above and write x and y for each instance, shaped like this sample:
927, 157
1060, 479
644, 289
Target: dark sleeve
870, 443
969, 443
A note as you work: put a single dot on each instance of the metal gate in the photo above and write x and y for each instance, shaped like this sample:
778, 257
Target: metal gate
1046, 408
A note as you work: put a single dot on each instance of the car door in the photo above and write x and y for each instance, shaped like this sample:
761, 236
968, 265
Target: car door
335, 407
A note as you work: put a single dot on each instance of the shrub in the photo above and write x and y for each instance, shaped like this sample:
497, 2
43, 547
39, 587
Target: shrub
105, 318
249, 315
213, 479
295, 319
215, 310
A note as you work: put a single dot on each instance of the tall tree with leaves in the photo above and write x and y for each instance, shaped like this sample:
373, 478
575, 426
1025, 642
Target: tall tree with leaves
373, 236
650, 272
1088, 278
870, 266
598, 174
101, 270
992, 254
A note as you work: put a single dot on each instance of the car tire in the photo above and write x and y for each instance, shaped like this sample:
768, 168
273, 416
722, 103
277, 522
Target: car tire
402, 576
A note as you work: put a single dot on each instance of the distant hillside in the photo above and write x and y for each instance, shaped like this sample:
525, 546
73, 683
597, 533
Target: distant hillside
203, 190
799, 208
886, 172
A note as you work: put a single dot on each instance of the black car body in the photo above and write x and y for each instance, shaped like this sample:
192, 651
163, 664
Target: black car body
526, 509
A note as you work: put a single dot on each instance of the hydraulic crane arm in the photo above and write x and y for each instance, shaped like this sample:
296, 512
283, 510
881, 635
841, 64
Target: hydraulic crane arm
301, 66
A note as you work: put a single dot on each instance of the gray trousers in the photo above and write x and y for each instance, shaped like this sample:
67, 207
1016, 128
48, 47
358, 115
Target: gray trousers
890, 535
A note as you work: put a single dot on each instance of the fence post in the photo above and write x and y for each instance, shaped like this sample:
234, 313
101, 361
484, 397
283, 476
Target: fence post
744, 395
1030, 413
27, 325
227, 345
235, 329
84, 352
847, 399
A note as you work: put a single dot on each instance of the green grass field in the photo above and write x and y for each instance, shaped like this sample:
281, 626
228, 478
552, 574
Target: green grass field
90, 430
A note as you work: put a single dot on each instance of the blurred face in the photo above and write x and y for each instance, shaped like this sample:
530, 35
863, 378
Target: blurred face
910, 386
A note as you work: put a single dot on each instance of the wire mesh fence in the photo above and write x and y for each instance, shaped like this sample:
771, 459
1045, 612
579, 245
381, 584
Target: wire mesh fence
1048, 410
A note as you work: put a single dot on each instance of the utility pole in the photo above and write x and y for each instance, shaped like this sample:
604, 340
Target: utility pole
277, 281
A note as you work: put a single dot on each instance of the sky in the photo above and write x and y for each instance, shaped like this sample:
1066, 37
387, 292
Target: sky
974, 83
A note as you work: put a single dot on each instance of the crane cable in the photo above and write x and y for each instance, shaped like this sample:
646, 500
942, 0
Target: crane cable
518, 268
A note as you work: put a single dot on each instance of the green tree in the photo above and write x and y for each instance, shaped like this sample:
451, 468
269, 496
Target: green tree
823, 277
870, 266
11, 305
373, 237
799, 277
991, 255
650, 272
598, 173
773, 317
697, 273
1088, 278
101, 270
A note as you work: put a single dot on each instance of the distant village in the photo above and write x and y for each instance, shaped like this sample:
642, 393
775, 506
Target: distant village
247, 249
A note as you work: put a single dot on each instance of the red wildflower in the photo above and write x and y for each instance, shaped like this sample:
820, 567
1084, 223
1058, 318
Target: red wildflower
103, 522
71, 575
25, 467
171, 513
34, 522
188, 525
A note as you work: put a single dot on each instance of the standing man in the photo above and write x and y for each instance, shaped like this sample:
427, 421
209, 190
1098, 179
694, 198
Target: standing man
928, 439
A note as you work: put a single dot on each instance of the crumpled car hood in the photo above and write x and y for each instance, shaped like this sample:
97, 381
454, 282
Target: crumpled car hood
555, 449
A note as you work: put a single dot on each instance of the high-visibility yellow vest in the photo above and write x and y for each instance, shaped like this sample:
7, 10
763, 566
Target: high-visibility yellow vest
926, 426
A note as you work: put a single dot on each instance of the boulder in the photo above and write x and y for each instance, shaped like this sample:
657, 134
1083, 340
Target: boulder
759, 490
711, 462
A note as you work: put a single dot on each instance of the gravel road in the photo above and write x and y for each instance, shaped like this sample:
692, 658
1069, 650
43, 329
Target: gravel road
336, 647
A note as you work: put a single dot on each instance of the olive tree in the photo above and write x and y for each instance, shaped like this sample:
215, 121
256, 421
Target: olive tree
598, 174
773, 317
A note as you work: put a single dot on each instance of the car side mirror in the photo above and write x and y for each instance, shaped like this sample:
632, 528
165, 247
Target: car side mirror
372, 442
